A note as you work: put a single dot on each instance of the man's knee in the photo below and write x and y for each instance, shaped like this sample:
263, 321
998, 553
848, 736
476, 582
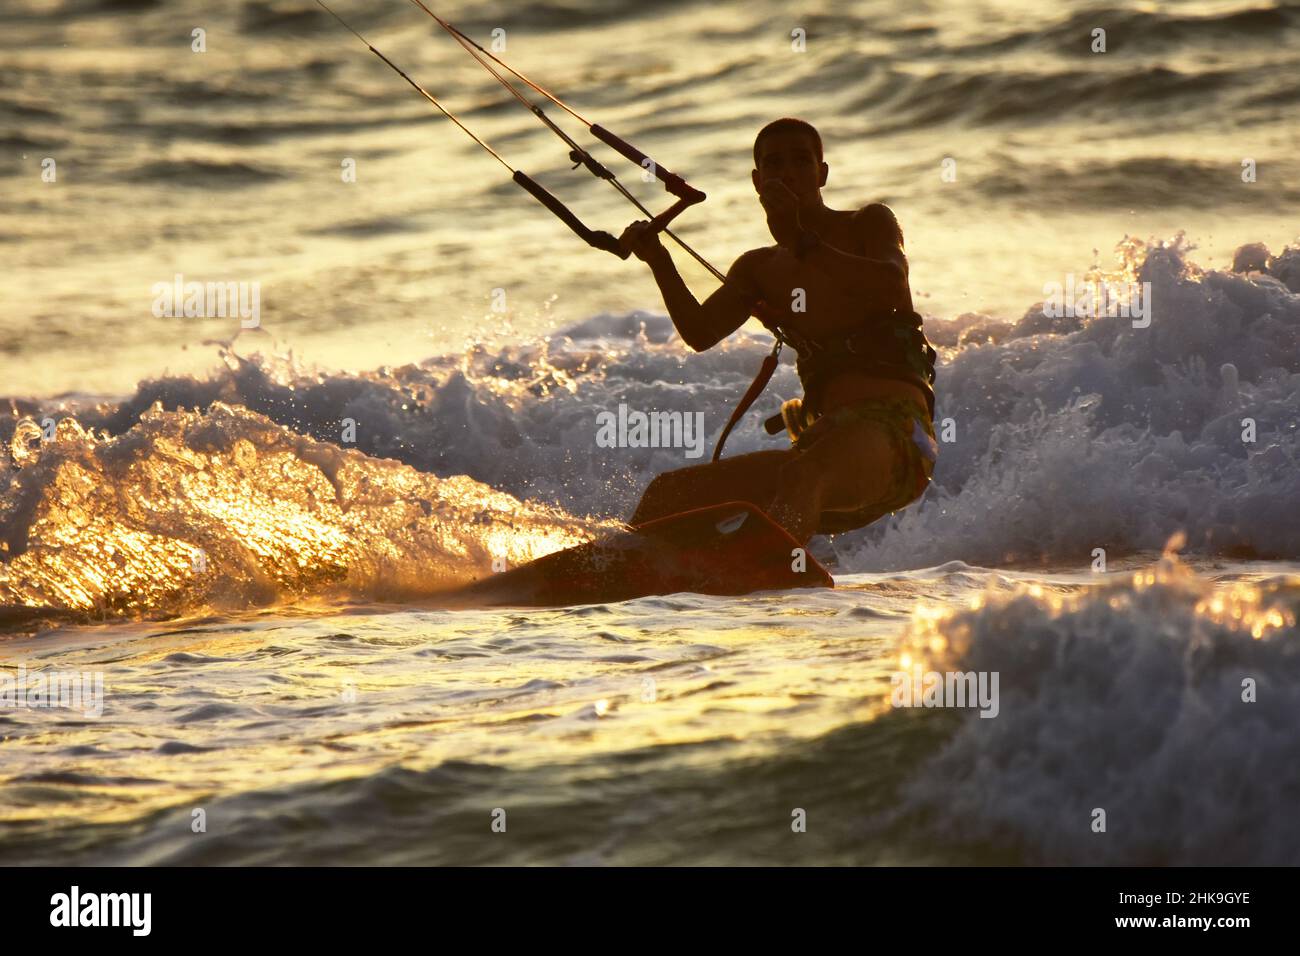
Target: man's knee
662, 493
665, 483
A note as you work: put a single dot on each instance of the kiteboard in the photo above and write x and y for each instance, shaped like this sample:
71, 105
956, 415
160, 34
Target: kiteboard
727, 549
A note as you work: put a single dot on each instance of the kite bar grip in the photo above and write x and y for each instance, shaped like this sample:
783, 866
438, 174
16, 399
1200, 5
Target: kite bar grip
596, 238
661, 221
774, 425
672, 182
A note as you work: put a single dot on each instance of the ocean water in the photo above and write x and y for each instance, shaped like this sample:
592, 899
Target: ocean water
186, 513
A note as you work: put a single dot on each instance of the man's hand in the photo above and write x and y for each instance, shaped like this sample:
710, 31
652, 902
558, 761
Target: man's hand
782, 208
643, 241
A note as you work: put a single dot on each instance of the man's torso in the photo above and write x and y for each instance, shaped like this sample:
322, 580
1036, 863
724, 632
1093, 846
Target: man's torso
831, 309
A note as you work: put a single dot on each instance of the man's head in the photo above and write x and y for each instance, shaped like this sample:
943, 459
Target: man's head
790, 150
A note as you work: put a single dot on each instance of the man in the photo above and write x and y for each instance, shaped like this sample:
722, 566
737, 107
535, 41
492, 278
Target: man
836, 286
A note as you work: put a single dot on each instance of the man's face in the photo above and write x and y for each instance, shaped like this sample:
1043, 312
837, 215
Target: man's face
791, 157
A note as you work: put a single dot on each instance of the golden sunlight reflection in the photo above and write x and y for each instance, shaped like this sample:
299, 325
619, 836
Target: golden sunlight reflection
366, 703
226, 509
1241, 607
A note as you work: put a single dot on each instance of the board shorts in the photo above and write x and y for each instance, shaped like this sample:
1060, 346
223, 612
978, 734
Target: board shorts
911, 435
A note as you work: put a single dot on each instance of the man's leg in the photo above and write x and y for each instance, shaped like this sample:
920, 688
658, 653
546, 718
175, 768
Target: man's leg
753, 478
846, 469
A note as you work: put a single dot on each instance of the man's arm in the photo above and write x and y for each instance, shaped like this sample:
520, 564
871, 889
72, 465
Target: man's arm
704, 325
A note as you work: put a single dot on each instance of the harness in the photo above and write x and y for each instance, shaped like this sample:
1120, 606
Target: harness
891, 345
